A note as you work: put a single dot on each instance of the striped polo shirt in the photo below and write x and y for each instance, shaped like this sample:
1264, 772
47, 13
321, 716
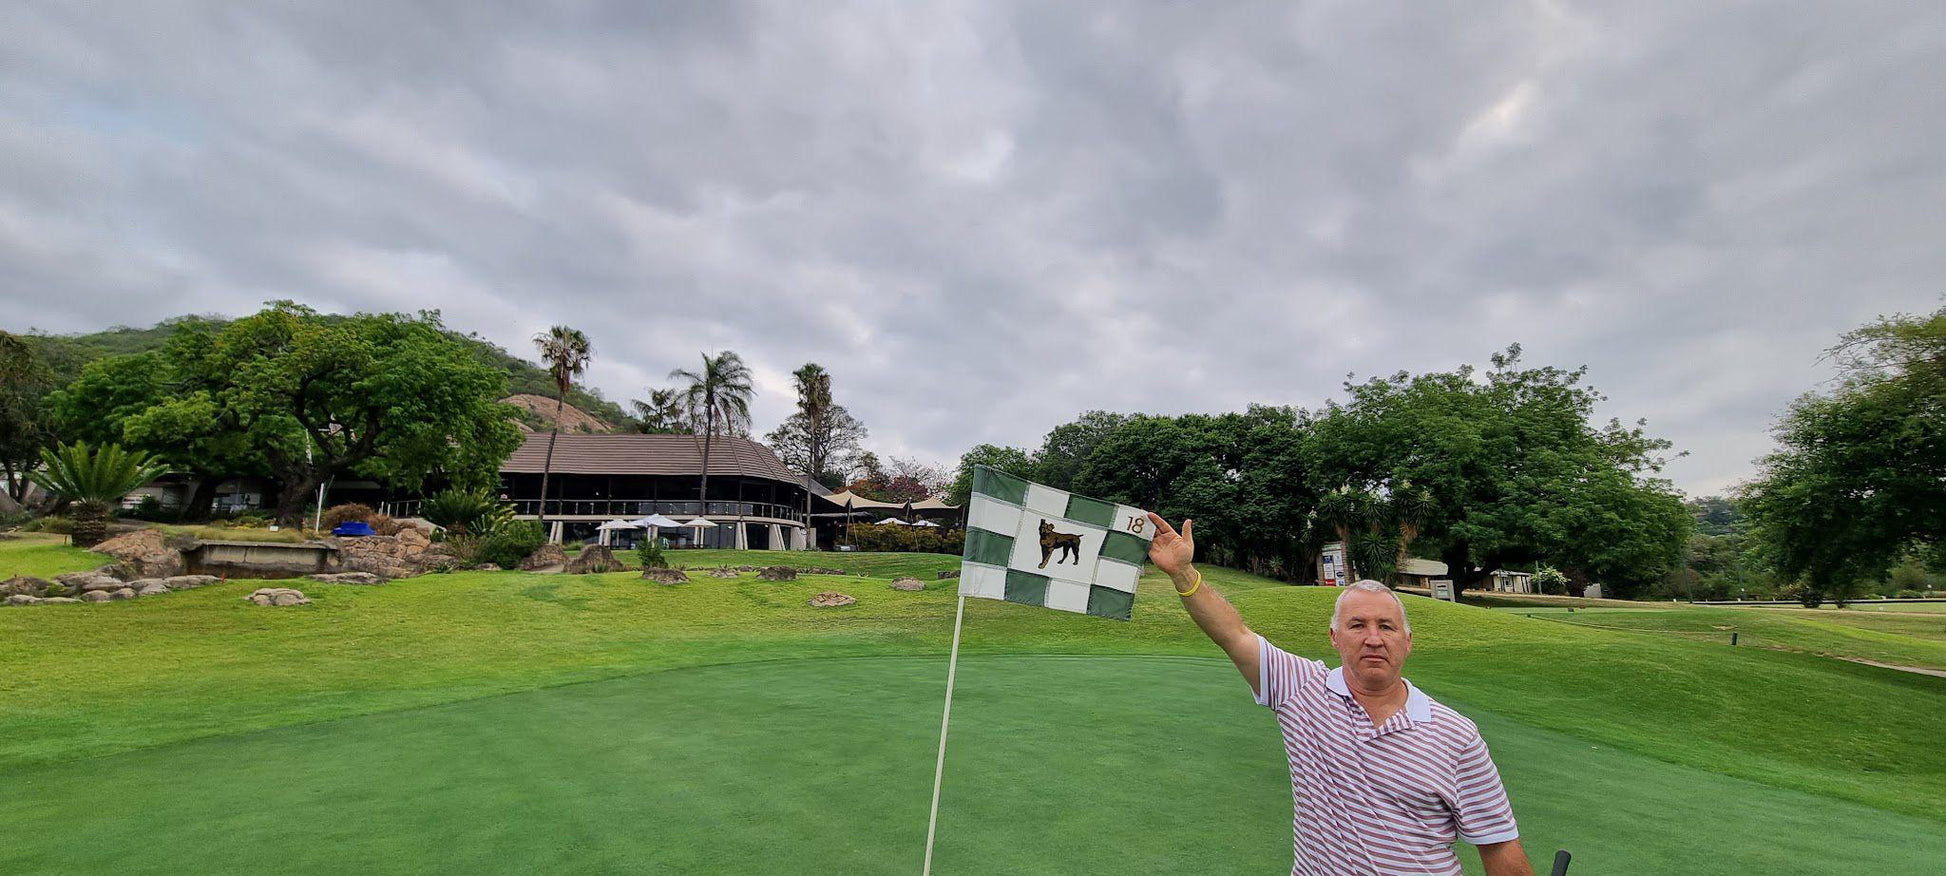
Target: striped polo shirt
1386, 799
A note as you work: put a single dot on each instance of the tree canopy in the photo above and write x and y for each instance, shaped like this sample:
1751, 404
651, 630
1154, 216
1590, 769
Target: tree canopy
1859, 476
820, 434
302, 398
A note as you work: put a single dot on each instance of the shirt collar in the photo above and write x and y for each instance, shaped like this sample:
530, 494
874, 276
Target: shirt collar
1418, 706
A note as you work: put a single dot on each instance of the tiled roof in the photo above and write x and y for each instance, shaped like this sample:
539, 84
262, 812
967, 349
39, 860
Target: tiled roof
633, 454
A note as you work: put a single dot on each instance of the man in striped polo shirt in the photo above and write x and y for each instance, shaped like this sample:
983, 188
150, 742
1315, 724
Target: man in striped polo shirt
1383, 779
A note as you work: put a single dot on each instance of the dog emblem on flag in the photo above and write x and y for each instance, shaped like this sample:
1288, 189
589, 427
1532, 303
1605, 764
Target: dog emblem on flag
1036, 545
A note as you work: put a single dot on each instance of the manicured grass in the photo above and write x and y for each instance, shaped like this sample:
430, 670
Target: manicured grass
888, 565
1056, 765
1645, 745
43, 556
1906, 640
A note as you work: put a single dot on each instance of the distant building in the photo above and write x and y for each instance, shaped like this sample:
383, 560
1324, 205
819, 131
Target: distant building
1505, 581
1415, 572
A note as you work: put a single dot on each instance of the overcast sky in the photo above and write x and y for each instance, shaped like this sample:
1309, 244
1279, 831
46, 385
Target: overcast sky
986, 217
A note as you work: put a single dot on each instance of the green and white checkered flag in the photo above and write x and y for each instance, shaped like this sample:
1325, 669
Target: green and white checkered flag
1037, 545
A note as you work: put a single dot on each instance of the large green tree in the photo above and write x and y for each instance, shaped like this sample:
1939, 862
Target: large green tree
1067, 446
820, 432
565, 351
388, 397
1011, 460
716, 398
25, 426
157, 401
1507, 468
1859, 477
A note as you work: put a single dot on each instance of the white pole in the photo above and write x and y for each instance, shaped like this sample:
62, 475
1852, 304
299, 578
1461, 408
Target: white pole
946, 718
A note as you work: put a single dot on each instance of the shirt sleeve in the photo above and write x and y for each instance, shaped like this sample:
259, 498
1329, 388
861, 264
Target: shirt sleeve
1481, 808
1280, 674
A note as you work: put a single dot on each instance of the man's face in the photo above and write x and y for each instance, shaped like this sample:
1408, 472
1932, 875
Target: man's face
1372, 640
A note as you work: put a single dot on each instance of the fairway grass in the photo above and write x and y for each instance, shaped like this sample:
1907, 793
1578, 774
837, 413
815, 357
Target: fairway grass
421, 713
1899, 639
1056, 765
42, 555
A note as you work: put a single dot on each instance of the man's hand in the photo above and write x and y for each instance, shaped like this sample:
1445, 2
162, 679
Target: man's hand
1170, 551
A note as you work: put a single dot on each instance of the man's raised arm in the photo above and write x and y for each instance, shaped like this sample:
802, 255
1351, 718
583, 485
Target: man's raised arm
1172, 552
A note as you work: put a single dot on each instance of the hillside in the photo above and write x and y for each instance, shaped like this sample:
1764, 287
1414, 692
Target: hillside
66, 355
537, 415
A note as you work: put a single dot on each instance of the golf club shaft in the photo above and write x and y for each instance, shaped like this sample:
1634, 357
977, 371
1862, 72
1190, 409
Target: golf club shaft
1561, 859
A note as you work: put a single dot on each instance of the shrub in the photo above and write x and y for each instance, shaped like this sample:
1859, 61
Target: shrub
1551, 581
341, 514
915, 539
383, 524
52, 523
649, 552
508, 544
465, 512
1912, 594
1807, 596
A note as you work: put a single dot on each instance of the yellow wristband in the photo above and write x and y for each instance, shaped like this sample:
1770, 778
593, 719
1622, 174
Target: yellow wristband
1192, 588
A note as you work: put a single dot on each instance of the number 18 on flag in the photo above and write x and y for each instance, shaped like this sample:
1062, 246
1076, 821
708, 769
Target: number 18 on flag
1036, 545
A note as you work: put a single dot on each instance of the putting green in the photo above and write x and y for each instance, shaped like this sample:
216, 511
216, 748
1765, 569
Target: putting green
1119, 764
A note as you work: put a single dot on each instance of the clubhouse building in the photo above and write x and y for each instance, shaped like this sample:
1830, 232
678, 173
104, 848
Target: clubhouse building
755, 502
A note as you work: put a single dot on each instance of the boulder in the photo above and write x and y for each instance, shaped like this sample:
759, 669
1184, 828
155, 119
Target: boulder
823, 572
79, 581
95, 596
362, 578
908, 584
156, 589
25, 585
124, 593
666, 576
395, 556
23, 599
486, 567
103, 582
146, 552
594, 558
831, 599
141, 584
949, 573
59, 600
723, 573
189, 582
778, 573
278, 596
547, 556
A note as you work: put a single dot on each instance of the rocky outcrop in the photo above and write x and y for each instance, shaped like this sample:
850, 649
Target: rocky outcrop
95, 596
723, 573
778, 573
156, 589
594, 559
909, 585
124, 593
189, 582
831, 599
666, 576
145, 552
26, 585
949, 573
22, 599
278, 596
361, 578
547, 556
404, 555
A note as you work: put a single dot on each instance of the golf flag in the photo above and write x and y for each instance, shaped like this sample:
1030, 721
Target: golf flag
1037, 545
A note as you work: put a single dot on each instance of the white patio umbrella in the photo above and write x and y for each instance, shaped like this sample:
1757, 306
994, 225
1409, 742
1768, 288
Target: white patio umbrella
656, 523
613, 525
699, 524
925, 523
894, 521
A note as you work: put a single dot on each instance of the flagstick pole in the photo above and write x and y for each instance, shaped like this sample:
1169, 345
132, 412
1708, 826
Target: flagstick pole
945, 718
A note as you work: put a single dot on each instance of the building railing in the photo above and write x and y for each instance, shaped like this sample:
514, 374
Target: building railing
625, 508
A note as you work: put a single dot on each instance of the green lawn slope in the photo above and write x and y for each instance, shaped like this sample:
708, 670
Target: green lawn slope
425, 716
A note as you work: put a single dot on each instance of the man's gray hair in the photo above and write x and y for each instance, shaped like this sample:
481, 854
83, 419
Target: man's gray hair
1369, 586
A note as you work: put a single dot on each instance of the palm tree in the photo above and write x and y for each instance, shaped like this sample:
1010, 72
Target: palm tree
662, 414
1409, 506
566, 352
92, 480
720, 393
1342, 511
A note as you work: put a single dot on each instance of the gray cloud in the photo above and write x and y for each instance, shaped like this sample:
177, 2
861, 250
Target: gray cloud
987, 217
